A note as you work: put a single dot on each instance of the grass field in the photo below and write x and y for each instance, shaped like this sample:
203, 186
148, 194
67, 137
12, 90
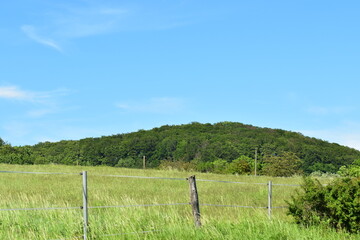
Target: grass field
162, 222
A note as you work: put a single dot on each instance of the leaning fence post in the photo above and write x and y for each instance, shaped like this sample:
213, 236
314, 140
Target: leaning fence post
85, 204
269, 198
194, 201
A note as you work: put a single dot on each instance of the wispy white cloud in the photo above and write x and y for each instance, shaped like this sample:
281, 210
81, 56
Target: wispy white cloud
39, 103
15, 93
12, 92
154, 105
30, 31
65, 22
83, 22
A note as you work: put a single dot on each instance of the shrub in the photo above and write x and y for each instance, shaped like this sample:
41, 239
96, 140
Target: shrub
220, 166
336, 205
350, 171
239, 166
203, 166
126, 162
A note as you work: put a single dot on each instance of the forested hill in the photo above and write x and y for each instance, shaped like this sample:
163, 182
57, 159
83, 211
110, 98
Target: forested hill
204, 147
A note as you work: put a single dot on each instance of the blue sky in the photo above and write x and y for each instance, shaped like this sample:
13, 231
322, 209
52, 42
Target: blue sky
90, 68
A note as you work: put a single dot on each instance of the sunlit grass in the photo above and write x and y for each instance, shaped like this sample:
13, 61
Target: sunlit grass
163, 222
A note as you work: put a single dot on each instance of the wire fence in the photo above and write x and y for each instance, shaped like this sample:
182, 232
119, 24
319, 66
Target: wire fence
194, 201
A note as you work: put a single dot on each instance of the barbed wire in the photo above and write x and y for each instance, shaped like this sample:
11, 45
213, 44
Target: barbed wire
47, 173
145, 177
234, 206
141, 205
219, 181
49, 208
94, 207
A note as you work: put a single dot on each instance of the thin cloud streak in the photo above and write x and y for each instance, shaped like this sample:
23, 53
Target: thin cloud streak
30, 31
12, 92
15, 93
70, 22
154, 105
40, 103
75, 22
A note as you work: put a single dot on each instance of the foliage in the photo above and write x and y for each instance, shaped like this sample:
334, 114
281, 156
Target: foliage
336, 204
220, 166
241, 165
352, 170
210, 147
2, 142
126, 162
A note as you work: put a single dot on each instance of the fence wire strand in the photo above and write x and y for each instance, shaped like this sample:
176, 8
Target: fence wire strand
141, 205
50, 208
234, 206
145, 177
219, 181
46, 173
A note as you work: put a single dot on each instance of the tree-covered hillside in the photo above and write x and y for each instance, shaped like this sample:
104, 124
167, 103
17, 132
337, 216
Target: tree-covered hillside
221, 147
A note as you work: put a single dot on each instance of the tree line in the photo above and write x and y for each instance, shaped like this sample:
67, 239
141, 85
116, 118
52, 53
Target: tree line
225, 147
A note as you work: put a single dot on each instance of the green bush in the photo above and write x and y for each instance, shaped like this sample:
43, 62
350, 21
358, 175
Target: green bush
239, 166
352, 170
336, 205
128, 162
220, 166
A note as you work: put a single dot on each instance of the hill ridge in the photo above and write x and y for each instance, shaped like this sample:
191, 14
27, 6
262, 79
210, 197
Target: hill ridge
194, 142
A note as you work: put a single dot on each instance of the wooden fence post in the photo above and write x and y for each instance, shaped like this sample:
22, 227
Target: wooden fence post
269, 198
85, 204
194, 201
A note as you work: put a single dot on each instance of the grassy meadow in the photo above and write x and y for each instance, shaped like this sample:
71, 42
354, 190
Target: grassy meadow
162, 222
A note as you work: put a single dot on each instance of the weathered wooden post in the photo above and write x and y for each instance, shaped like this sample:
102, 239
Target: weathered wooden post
144, 162
269, 198
85, 204
194, 201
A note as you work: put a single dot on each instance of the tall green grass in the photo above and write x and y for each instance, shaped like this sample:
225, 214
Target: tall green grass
158, 222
